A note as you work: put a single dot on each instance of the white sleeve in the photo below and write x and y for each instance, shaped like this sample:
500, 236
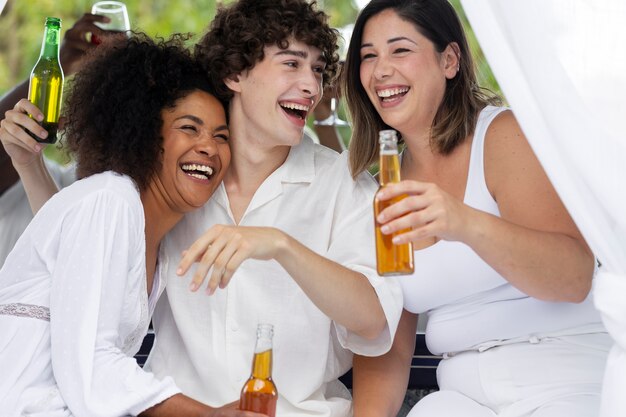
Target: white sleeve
353, 246
98, 247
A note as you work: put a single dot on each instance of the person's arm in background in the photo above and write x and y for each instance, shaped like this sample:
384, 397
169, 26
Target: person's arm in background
73, 48
328, 135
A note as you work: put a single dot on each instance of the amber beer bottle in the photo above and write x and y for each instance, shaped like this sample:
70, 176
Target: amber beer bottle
259, 393
46, 81
390, 259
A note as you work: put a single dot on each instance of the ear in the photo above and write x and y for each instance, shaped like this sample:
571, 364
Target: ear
451, 58
233, 83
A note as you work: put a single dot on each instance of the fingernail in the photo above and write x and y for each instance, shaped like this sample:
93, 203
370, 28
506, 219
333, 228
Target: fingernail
179, 271
193, 286
210, 291
385, 229
396, 240
40, 117
38, 148
43, 134
381, 218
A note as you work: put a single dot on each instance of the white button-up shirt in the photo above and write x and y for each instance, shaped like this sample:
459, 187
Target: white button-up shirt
206, 342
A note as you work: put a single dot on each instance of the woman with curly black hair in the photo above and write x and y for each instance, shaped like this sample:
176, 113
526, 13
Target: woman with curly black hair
78, 290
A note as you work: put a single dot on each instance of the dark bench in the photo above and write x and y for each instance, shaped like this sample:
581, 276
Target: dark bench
422, 374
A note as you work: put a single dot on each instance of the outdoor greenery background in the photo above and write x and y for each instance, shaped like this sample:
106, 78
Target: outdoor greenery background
21, 28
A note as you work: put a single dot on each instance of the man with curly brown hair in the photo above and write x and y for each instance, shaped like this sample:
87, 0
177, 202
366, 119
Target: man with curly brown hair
288, 239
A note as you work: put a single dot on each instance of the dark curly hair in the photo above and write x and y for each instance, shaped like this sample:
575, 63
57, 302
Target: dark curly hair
239, 32
114, 106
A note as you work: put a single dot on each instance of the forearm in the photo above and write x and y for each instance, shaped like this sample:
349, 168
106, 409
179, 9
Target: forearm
8, 175
346, 296
38, 183
178, 405
329, 136
379, 383
8, 100
546, 265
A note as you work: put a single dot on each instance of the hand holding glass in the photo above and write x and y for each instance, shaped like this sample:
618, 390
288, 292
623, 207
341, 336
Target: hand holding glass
334, 119
118, 17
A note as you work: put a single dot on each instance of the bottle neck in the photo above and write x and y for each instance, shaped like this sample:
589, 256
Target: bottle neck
50, 44
262, 365
389, 166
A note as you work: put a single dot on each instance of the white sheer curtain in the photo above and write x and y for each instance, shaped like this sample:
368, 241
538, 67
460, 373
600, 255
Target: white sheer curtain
562, 66
2, 4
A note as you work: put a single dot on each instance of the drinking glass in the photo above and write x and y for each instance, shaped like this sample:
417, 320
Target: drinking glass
117, 13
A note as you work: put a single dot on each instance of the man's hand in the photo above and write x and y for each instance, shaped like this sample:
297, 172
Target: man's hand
78, 41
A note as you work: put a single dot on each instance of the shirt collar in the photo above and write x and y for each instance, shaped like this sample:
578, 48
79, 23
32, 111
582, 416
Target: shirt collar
300, 164
298, 168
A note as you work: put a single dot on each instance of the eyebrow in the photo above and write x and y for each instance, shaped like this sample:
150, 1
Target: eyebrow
200, 122
390, 41
190, 117
299, 54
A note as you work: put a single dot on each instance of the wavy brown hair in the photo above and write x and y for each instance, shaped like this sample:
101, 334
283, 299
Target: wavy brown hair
240, 31
463, 99
114, 107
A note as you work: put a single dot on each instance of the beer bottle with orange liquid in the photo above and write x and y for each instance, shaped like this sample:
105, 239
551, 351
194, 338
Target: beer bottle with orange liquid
391, 259
259, 393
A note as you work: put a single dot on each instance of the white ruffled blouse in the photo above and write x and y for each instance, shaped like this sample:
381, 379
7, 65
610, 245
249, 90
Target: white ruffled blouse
74, 307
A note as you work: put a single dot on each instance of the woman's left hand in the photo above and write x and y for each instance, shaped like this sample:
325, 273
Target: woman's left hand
427, 210
224, 248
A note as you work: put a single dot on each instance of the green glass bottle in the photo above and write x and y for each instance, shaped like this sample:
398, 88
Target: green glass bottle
46, 80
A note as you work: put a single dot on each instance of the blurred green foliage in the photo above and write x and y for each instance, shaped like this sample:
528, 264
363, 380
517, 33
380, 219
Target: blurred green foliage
21, 27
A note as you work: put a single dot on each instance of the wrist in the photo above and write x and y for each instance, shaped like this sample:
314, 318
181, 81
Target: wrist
283, 247
35, 164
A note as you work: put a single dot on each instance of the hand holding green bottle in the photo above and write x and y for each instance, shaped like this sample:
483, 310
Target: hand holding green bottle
46, 81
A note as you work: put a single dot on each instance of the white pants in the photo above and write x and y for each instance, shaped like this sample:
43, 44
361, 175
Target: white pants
555, 377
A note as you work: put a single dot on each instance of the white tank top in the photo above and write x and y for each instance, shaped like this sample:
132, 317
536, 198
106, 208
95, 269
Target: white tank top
469, 304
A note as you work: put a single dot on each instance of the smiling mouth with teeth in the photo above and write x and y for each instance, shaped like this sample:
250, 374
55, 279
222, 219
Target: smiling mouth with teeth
392, 93
202, 172
298, 110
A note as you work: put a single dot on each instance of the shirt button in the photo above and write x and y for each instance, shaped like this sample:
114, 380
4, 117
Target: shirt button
234, 327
